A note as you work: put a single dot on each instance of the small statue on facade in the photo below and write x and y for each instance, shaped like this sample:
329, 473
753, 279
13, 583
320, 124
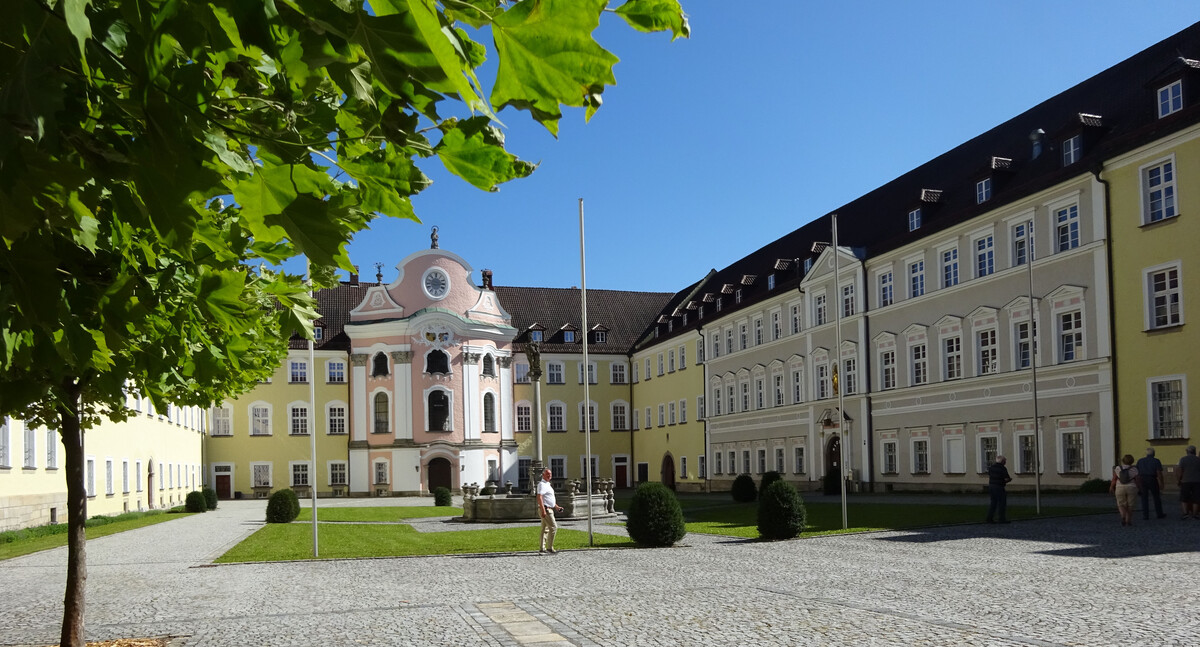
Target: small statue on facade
533, 351
433, 238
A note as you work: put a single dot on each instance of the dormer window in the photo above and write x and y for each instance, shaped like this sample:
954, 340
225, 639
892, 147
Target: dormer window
983, 190
568, 336
700, 312
601, 337
535, 335
770, 281
914, 222
684, 319
318, 333
718, 304
1170, 99
1072, 148
737, 296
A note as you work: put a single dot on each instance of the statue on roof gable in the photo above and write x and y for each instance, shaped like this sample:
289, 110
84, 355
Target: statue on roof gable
433, 238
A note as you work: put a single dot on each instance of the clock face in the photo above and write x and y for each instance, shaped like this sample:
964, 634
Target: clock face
436, 284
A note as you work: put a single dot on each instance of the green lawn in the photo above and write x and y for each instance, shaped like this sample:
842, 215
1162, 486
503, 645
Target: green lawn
391, 513
22, 542
277, 542
739, 520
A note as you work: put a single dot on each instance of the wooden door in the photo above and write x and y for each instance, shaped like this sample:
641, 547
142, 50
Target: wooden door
224, 486
668, 471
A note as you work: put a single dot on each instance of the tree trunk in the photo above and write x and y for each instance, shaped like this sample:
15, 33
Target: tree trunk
73, 599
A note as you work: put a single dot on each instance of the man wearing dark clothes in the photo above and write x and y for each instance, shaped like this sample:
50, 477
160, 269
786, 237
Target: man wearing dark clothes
1151, 471
997, 478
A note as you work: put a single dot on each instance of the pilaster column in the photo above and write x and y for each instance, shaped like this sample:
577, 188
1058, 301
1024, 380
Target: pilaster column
402, 398
360, 412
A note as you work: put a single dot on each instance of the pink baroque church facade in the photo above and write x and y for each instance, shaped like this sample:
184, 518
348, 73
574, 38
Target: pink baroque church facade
430, 380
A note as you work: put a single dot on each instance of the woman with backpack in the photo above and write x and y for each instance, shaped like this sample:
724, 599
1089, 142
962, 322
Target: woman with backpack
1125, 484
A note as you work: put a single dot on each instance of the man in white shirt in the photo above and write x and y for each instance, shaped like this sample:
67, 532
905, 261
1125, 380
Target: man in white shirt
546, 508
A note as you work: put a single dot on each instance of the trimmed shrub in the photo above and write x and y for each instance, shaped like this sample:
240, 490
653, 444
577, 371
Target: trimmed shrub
767, 479
781, 513
210, 497
654, 518
283, 507
195, 502
1092, 486
441, 496
743, 489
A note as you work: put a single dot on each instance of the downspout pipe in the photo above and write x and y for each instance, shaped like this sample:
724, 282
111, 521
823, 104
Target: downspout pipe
1097, 170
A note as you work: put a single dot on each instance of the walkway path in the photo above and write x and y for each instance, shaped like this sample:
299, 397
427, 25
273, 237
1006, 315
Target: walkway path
1046, 582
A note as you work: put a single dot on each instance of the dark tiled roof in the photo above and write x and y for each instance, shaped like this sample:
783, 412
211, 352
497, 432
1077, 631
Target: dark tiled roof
624, 314
335, 305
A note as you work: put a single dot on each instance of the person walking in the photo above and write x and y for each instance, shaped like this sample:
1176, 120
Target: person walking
546, 508
1189, 483
997, 478
1151, 471
1125, 484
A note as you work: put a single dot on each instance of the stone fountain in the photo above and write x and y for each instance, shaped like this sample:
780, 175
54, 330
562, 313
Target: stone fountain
504, 505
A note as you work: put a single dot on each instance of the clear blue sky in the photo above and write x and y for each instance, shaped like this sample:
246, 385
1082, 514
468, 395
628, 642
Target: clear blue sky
773, 113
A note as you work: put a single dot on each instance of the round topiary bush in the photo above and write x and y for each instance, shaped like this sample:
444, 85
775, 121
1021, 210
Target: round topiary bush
283, 507
195, 502
743, 489
781, 511
1092, 486
210, 497
441, 496
654, 517
767, 479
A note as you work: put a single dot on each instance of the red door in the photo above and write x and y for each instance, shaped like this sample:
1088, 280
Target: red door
224, 486
622, 477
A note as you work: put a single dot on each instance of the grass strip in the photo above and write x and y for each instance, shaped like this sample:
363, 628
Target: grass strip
385, 513
14, 543
289, 541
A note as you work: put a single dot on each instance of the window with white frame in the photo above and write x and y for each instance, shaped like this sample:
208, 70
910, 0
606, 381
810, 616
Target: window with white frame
661, 372
556, 420
732, 400
985, 256
616, 373
718, 306
914, 220
682, 411
887, 369
337, 473
716, 399
568, 336
30, 447
554, 373
743, 338
260, 420
891, 457
648, 420
1020, 243
851, 378
335, 372
260, 475
636, 374
671, 413
5, 443
737, 295
1167, 407
950, 267
848, 303
1170, 99
920, 364
770, 281
886, 289
916, 278
335, 419
1164, 305
524, 418
662, 415
952, 358
488, 368
1074, 454
298, 420
777, 379
797, 386
819, 310
758, 332
90, 475
108, 477
595, 467
1026, 453
489, 412
1066, 228
920, 456
558, 467
591, 413
300, 474
699, 407
732, 463
380, 413
822, 381
779, 460
989, 449
222, 421
745, 396
746, 461
798, 465
521, 373
700, 350
1072, 148
1158, 192
683, 473
985, 341
599, 337
762, 461
983, 190
1023, 344
716, 345
125, 476
760, 393
137, 474
51, 449
1070, 336
776, 327
954, 459
717, 463
795, 319
702, 463
381, 473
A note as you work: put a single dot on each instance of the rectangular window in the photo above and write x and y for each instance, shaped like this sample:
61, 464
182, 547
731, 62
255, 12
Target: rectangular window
702, 462
886, 289
795, 319
758, 332
745, 396
1073, 453
568, 336
745, 461
299, 421
599, 337
1026, 454
797, 392
851, 365
920, 364
914, 220
1020, 243
1067, 228
699, 351
989, 448
535, 335
51, 449
558, 467
822, 381
30, 447
1070, 331
337, 473
671, 361
762, 461
521, 374
770, 281
776, 329
554, 373
137, 475
848, 300
260, 474
891, 463
916, 278
1158, 192
699, 406
779, 464
985, 256
260, 421
953, 358
737, 295
299, 474
222, 422
887, 372
381, 473
125, 477
336, 372
920, 463
1170, 99
662, 415
983, 190
716, 462
524, 418
819, 310
950, 267
670, 413
1166, 408
798, 459
728, 340
778, 380
683, 467
1165, 297
716, 401
108, 477
682, 411
716, 345
682, 357
733, 463
759, 394
987, 352
298, 372
90, 474
1023, 345
1072, 147
742, 338
732, 401
955, 460
336, 420
557, 421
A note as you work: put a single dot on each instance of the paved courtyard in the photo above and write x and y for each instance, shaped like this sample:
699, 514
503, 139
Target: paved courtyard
1076, 581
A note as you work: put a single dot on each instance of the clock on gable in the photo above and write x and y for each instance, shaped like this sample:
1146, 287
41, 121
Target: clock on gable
436, 284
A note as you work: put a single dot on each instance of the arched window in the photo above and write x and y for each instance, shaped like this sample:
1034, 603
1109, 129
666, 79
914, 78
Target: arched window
379, 365
437, 362
381, 413
439, 411
489, 366
489, 412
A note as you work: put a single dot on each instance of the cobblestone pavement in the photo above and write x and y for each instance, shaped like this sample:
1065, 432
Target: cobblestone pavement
1075, 581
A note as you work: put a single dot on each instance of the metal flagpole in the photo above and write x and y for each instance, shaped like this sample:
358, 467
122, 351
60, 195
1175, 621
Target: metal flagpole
837, 353
587, 380
1033, 353
312, 432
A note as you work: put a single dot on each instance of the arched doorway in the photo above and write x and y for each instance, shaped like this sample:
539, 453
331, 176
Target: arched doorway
833, 465
668, 471
439, 474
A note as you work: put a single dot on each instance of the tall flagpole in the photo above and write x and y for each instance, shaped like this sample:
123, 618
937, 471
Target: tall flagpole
1033, 355
837, 353
312, 418
587, 380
